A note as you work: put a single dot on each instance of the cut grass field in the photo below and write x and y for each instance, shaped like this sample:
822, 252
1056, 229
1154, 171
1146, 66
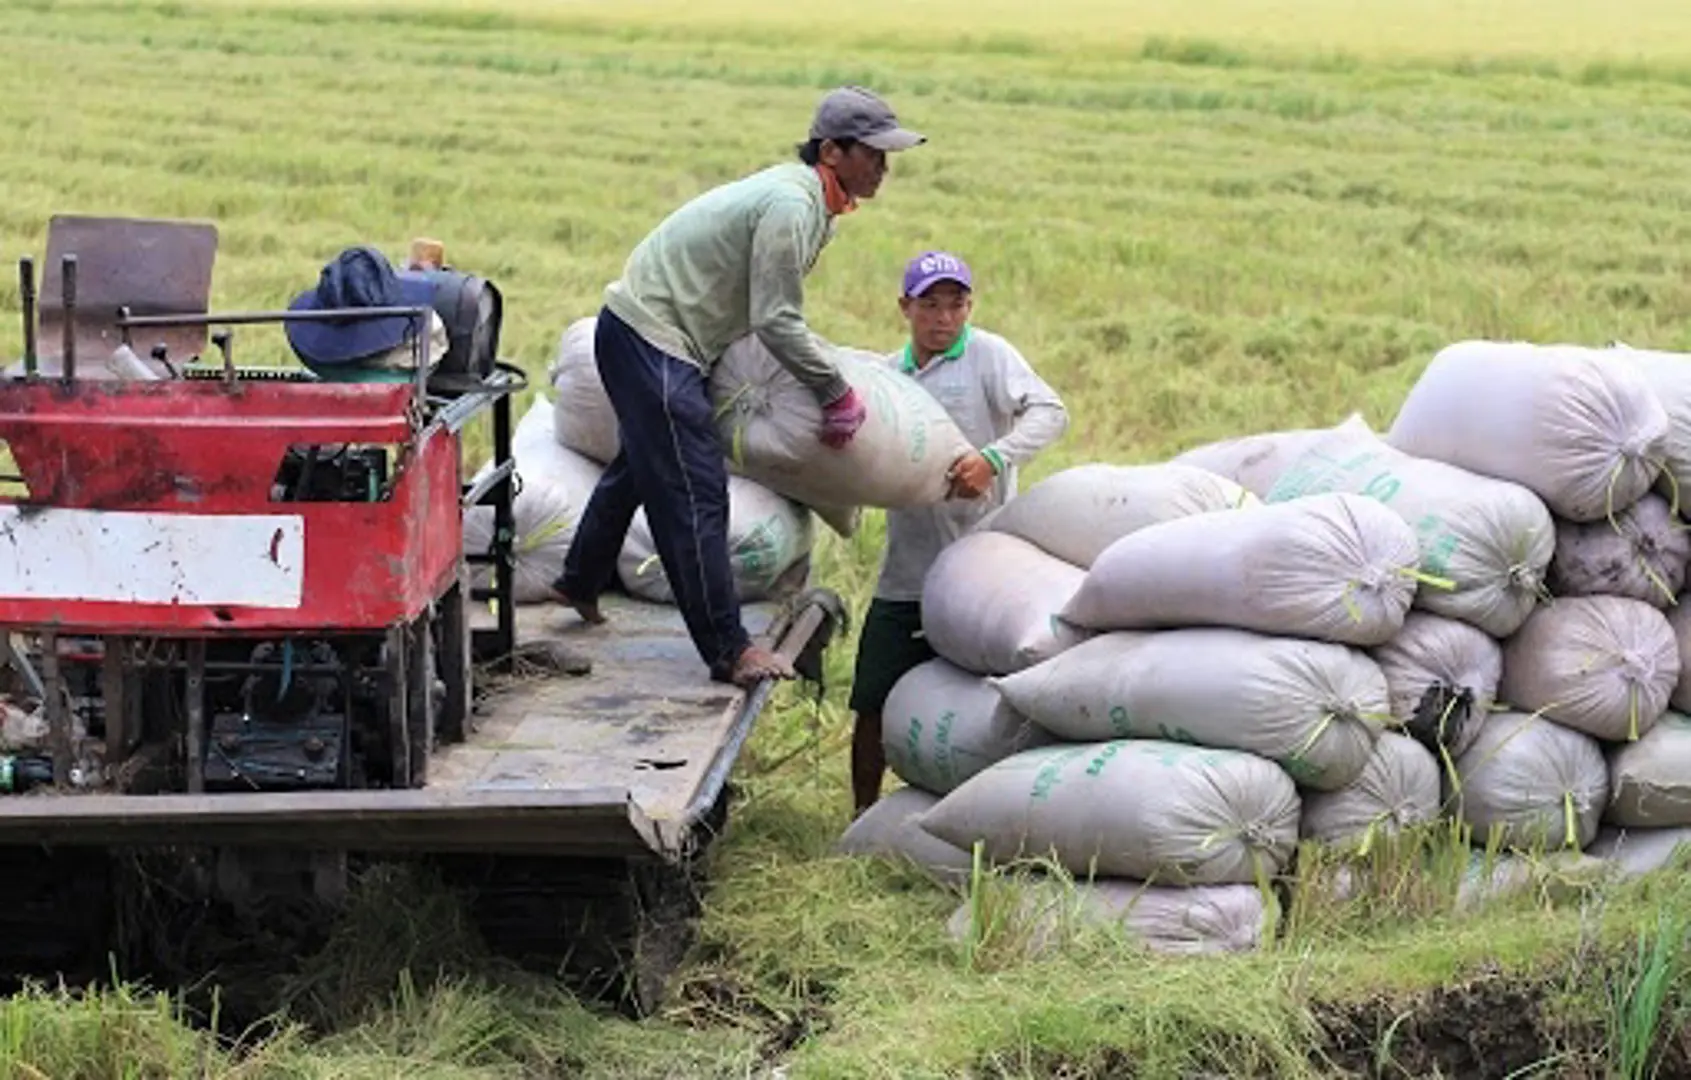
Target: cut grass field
1197, 220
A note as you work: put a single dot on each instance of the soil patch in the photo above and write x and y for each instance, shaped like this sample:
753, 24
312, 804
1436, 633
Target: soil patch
1487, 1028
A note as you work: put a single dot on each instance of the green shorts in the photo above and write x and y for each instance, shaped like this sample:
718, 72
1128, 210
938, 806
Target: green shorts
890, 645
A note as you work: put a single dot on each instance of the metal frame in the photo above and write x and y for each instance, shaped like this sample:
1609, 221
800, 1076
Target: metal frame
157, 266
498, 645
573, 821
127, 323
497, 489
66, 434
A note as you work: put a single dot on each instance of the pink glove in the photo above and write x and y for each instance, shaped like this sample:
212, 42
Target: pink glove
842, 418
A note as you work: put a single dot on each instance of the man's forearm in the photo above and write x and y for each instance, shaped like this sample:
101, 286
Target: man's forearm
789, 340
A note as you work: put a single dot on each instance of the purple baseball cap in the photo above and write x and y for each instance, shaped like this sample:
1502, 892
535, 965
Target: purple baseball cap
932, 267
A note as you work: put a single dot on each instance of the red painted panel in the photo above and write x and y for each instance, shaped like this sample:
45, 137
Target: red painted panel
205, 448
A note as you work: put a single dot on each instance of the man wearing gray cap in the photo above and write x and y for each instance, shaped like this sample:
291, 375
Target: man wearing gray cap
729, 263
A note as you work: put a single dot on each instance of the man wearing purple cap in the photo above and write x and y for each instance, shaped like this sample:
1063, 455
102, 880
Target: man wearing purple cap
1010, 414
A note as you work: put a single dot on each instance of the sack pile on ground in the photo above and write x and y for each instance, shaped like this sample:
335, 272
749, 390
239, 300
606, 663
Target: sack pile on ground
553, 486
769, 537
1478, 614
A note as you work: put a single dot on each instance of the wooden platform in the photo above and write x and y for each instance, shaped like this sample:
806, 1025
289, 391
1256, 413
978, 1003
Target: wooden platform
647, 720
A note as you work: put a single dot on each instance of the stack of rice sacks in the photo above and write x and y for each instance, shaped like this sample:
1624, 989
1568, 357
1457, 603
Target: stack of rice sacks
1163, 681
1548, 647
1192, 665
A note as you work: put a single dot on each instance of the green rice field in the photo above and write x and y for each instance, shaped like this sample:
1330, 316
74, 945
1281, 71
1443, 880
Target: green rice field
1197, 219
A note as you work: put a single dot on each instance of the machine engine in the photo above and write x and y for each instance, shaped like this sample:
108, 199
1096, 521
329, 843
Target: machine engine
283, 726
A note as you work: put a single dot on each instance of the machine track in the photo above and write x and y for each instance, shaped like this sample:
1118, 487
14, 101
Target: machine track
56, 914
611, 930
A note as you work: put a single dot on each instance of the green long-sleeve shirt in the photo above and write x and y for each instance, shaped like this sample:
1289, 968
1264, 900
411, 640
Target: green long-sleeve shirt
732, 262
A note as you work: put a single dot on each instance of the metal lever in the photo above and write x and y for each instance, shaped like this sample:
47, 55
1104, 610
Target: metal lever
26, 295
224, 340
161, 353
67, 272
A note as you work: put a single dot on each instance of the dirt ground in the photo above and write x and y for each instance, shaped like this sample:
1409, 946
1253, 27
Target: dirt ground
1488, 1028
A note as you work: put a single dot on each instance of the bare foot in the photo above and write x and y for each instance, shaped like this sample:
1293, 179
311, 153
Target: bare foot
587, 609
757, 664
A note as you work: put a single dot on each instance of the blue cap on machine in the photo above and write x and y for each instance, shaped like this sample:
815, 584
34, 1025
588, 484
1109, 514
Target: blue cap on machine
359, 277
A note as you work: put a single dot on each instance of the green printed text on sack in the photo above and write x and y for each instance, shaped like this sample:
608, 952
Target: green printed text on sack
1051, 772
1122, 724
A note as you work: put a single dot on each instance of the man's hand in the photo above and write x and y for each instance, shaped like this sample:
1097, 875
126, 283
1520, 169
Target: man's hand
971, 476
841, 418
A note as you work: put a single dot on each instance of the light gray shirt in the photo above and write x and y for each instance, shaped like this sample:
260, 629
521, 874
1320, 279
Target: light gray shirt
1006, 410
732, 262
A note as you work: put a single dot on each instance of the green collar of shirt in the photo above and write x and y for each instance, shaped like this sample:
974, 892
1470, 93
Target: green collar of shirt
908, 366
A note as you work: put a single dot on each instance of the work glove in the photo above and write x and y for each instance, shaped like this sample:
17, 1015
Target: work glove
841, 418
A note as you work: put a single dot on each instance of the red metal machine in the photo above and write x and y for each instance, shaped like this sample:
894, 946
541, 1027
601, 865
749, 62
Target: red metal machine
241, 599
275, 559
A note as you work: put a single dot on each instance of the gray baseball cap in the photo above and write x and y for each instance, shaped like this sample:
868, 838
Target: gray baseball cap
852, 112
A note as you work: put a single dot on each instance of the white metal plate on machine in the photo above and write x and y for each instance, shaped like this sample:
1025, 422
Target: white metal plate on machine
131, 557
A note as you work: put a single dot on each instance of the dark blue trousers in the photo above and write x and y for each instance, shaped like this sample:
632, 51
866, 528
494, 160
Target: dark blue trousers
670, 463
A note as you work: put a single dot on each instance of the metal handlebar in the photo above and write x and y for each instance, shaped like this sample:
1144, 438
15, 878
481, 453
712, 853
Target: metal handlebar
422, 314
238, 318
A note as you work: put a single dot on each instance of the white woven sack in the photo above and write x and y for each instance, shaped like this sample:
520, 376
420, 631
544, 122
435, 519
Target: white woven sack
1333, 567
1397, 789
769, 424
1584, 432
1156, 811
1254, 462
555, 485
768, 535
1553, 876
1639, 851
1487, 541
1650, 780
990, 604
1534, 782
941, 725
1679, 620
1604, 665
583, 419
1077, 513
1640, 555
1312, 707
1164, 919
1442, 677
889, 829
1669, 375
